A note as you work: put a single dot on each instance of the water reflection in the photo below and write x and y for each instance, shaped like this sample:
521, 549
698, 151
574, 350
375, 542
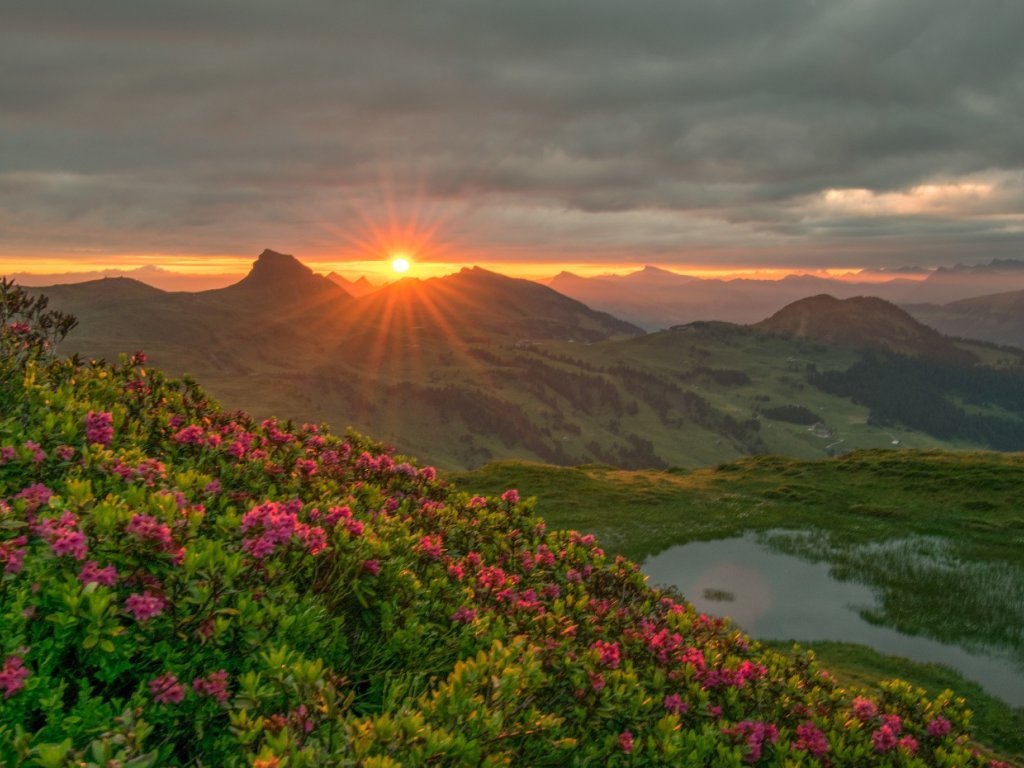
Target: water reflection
780, 596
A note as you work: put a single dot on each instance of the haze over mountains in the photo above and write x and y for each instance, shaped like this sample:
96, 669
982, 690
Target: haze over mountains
477, 365
654, 298
998, 318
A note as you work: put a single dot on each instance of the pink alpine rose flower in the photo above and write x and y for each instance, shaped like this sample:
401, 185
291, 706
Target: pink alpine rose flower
99, 428
144, 607
91, 572
13, 675
166, 689
626, 742
214, 685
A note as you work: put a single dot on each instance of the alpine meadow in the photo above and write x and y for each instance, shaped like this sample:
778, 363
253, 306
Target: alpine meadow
470, 384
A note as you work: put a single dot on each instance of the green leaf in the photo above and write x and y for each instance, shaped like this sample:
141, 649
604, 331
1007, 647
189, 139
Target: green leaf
52, 755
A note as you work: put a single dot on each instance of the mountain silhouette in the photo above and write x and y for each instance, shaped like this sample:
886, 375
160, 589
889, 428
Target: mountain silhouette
356, 288
476, 302
282, 279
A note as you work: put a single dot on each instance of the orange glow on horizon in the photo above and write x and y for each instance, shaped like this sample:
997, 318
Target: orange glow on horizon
382, 268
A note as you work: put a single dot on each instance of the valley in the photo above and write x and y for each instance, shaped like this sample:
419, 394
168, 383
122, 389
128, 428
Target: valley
477, 366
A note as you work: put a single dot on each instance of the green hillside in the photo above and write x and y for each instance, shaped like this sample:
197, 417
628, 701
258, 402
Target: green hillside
187, 586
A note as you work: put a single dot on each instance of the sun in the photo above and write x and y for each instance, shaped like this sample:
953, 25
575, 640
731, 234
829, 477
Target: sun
400, 264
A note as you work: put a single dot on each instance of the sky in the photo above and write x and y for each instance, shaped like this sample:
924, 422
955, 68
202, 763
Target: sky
532, 135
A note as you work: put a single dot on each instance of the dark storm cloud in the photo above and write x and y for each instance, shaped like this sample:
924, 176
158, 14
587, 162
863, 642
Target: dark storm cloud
227, 125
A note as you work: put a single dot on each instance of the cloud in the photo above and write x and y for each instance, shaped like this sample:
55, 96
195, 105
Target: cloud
593, 127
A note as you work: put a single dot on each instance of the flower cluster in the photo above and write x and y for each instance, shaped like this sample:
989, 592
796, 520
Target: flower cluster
64, 536
166, 689
214, 685
274, 525
13, 675
755, 735
92, 572
811, 740
147, 528
144, 606
99, 428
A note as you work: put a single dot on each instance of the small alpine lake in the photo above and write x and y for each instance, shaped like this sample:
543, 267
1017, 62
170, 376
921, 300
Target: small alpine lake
912, 597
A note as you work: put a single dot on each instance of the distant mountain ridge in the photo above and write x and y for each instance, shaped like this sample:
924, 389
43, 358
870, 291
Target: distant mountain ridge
996, 265
654, 298
355, 288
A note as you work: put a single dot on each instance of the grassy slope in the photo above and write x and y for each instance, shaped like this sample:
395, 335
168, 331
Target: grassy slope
971, 499
863, 496
351, 390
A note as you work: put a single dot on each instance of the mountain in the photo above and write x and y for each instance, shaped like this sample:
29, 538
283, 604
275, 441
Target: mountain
862, 321
356, 288
656, 276
998, 318
475, 301
284, 280
260, 321
158, 277
653, 298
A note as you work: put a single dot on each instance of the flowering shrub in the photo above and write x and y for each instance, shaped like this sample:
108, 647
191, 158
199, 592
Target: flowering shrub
185, 586
28, 331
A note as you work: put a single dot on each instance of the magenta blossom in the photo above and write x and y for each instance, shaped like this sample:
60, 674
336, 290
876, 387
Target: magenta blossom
190, 435
91, 572
144, 606
811, 740
13, 675
884, 739
214, 685
674, 703
864, 709
464, 615
99, 428
938, 727
608, 652
626, 742
166, 689
35, 496
12, 554
430, 546
754, 733
909, 744
148, 528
